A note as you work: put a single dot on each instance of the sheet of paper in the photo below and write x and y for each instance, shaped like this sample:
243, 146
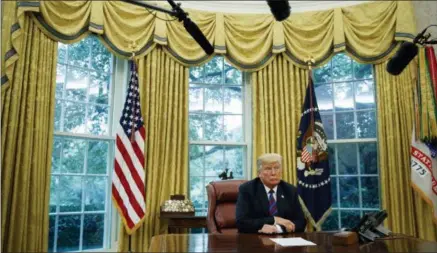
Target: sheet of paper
294, 241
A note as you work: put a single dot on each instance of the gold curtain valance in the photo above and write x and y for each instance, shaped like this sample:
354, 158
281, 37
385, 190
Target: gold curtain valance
249, 41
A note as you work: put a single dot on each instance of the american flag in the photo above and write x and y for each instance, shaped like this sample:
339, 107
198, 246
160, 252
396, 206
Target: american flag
307, 155
128, 180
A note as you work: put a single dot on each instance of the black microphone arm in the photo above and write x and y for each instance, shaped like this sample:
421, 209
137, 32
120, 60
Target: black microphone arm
181, 15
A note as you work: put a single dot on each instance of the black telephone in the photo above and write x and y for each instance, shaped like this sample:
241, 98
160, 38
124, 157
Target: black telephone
370, 227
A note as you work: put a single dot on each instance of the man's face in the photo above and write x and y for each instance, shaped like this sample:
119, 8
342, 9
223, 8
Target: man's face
271, 174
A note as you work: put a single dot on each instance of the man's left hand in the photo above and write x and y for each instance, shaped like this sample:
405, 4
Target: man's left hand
268, 229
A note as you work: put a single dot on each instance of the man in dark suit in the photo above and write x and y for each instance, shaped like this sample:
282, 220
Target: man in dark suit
267, 204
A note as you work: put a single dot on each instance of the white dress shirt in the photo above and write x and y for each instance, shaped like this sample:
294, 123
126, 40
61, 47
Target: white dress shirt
275, 189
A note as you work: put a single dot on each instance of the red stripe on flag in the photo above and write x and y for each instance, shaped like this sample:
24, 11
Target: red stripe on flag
130, 164
133, 201
142, 131
138, 152
121, 205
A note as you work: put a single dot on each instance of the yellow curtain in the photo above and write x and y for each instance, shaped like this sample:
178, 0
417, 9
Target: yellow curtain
248, 41
407, 212
164, 103
27, 136
278, 92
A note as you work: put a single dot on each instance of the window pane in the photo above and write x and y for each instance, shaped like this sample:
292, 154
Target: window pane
362, 71
349, 192
60, 80
233, 100
349, 219
77, 83
74, 119
56, 155
97, 122
73, 156
99, 88
214, 164
52, 222
196, 99
328, 125
234, 160
196, 160
323, 74
195, 127
369, 191
364, 97
345, 125
95, 192
344, 96
68, 233
97, 157
331, 223
58, 112
79, 53
53, 194
347, 159
214, 70
233, 127
213, 127
70, 194
196, 74
324, 96
368, 158
213, 100
334, 193
101, 58
341, 67
62, 53
93, 227
366, 124
197, 192
233, 75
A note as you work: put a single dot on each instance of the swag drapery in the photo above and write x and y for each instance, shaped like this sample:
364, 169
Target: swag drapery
367, 32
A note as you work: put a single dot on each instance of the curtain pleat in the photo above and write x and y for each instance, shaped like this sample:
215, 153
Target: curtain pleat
164, 104
27, 136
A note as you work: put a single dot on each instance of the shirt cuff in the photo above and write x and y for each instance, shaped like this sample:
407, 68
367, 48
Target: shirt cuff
279, 229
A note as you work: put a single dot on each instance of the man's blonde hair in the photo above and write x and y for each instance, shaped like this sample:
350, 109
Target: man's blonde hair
268, 158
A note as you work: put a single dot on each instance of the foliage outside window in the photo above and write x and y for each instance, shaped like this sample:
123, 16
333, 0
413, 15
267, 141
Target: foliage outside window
216, 127
82, 148
346, 99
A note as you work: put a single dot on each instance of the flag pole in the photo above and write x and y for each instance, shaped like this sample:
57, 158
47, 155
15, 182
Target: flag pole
130, 244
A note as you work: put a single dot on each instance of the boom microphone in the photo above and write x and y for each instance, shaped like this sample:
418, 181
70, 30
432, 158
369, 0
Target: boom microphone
192, 28
280, 9
402, 58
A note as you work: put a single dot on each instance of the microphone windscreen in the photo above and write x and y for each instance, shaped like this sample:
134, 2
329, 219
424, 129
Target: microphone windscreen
198, 36
280, 9
403, 56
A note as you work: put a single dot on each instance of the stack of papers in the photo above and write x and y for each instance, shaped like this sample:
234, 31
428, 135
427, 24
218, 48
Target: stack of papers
294, 241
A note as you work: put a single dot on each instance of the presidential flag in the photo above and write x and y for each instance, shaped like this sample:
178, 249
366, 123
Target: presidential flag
314, 181
424, 172
128, 180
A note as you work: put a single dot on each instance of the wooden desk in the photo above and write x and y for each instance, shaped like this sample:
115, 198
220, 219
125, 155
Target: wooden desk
176, 221
261, 243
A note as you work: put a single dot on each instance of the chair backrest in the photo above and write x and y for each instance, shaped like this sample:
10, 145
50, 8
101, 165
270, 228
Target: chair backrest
222, 199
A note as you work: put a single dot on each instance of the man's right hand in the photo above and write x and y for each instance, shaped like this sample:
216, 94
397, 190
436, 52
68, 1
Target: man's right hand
289, 226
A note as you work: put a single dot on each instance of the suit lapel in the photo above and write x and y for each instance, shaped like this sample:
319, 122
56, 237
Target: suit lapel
280, 201
262, 195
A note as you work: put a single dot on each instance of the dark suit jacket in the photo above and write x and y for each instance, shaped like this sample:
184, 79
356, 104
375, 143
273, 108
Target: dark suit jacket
253, 206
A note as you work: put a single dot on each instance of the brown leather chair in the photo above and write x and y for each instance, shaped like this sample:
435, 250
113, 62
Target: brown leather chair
222, 199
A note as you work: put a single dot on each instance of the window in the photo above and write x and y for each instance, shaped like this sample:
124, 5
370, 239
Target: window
217, 119
82, 158
346, 99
